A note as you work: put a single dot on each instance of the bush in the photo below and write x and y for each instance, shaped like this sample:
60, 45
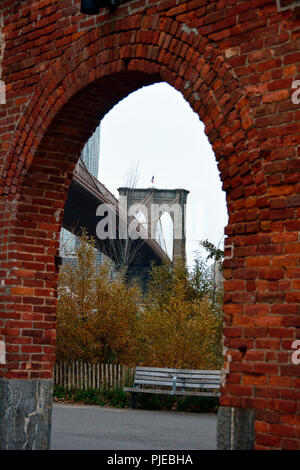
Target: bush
177, 324
116, 398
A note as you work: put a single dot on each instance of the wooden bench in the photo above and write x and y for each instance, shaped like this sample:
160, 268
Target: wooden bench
174, 382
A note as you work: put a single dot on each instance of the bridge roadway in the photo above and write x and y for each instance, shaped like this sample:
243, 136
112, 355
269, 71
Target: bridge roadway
86, 193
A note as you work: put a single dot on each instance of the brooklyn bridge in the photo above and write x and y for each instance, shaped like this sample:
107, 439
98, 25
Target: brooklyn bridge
87, 194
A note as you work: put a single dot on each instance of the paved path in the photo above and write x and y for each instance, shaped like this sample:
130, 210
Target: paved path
98, 428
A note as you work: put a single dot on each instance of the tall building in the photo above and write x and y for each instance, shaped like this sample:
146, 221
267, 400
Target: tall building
90, 156
90, 153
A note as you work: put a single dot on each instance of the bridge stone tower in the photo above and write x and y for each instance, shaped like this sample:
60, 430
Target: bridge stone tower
153, 203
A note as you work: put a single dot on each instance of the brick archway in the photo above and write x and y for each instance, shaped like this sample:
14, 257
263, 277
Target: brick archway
95, 68
187, 61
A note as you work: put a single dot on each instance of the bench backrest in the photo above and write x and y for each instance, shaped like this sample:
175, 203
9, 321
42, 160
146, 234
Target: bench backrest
180, 378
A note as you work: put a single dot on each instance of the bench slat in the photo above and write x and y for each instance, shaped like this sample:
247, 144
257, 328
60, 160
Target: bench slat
169, 392
166, 384
147, 390
178, 371
178, 378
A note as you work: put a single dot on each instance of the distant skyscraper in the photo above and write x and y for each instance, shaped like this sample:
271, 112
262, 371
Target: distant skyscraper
90, 153
90, 156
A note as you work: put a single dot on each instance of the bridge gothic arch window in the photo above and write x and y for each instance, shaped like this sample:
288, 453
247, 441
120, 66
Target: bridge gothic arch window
165, 233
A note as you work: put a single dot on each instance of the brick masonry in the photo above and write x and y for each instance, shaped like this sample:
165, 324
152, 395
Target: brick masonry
1, 42
235, 63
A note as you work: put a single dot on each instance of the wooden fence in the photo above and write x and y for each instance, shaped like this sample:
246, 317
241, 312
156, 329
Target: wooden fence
97, 376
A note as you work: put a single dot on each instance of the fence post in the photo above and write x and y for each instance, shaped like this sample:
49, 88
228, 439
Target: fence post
65, 375
69, 375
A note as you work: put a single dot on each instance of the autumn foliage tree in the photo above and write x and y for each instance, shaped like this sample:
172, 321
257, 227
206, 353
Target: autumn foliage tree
178, 323
96, 314
76, 294
180, 327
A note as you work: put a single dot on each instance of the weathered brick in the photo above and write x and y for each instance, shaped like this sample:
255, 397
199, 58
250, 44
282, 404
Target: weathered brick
234, 62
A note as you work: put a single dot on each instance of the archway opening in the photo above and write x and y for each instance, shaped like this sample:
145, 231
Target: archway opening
144, 133
45, 186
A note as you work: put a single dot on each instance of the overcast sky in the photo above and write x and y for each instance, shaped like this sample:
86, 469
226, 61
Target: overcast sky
156, 129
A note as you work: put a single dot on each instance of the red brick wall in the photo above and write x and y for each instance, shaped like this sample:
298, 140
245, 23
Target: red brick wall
234, 62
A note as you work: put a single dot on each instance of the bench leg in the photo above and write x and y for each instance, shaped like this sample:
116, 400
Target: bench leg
133, 400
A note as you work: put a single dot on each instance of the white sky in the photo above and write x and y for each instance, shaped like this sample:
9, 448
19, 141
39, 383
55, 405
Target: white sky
156, 129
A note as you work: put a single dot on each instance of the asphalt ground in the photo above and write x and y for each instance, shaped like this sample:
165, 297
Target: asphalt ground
80, 427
